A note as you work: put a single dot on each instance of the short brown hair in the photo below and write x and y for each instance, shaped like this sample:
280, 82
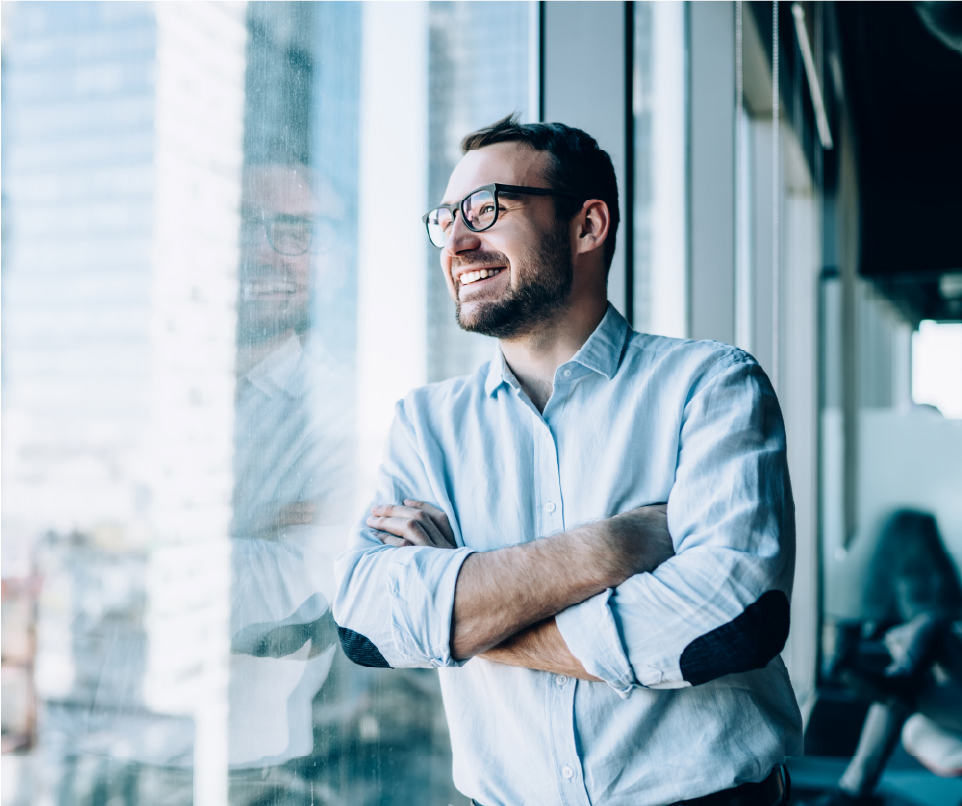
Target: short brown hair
578, 165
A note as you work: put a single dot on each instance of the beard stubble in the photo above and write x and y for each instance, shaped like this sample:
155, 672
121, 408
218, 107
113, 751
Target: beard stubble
544, 289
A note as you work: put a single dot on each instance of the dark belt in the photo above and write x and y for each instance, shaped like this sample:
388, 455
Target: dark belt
775, 790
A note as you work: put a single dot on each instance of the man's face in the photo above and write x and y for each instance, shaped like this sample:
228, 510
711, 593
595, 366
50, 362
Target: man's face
275, 290
526, 254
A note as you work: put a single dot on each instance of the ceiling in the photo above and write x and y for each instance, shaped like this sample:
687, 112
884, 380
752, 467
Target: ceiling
903, 84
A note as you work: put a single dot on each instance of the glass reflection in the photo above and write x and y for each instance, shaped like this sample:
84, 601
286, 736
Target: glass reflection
292, 476
178, 483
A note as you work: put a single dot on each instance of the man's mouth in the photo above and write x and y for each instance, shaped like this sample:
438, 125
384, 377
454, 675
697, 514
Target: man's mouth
274, 288
471, 277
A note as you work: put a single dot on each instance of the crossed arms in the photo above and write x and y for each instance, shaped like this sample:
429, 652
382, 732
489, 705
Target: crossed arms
505, 601
608, 600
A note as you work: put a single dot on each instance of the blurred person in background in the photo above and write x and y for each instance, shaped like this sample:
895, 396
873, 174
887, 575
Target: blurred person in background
912, 602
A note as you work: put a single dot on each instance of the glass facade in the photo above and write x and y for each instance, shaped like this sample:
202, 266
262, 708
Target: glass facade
660, 169
195, 248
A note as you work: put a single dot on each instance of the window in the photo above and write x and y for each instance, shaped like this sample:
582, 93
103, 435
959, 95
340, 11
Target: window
937, 367
660, 215
216, 285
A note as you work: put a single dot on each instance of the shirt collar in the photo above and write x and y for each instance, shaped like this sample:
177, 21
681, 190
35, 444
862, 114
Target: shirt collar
602, 353
497, 371
277, 371
606, 346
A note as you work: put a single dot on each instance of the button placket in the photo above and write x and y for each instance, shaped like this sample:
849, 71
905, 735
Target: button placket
549, 483
564, 749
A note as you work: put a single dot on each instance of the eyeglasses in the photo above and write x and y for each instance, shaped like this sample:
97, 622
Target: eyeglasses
291, 236
479, 209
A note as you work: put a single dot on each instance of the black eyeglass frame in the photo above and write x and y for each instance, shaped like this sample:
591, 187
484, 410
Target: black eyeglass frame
495, 188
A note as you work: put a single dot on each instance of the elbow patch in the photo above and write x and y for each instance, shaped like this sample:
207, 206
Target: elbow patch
360, 649
747, 642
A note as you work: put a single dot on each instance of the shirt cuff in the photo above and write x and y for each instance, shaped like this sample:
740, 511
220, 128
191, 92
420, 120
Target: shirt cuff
421, 583
590, 632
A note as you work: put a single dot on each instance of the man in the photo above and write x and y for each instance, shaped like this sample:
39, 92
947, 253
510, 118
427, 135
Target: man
587, 656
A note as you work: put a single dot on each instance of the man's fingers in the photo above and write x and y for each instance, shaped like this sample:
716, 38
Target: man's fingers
416, 528
437, 515
391, 540
404, 528
411, 523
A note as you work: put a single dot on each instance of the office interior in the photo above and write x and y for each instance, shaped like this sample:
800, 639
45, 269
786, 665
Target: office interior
788, 178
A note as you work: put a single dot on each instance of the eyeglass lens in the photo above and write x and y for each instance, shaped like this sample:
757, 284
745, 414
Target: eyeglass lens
290, 238
479, 210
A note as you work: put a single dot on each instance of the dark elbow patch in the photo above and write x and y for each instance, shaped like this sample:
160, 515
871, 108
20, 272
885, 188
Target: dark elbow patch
747, 642
360, 649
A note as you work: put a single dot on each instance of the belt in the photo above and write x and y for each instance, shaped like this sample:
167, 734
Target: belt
775, 790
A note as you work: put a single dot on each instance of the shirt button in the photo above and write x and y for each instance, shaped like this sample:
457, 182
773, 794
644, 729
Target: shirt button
561, 680
567, 373
550, 507
567, 772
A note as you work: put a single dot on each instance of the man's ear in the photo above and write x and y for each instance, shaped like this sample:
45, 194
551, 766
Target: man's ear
591, 226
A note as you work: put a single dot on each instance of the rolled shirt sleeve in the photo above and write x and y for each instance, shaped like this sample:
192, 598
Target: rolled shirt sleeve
393, 606
721, 604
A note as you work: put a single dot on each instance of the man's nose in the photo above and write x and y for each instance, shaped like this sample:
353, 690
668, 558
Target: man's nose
460, 238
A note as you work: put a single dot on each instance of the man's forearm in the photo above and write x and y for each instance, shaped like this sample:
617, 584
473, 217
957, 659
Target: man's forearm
540, 647
499, 593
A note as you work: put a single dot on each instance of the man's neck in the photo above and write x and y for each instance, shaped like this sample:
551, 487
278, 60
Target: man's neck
534, 357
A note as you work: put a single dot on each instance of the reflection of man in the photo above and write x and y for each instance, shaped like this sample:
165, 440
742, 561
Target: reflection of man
586, 656
291, 462
287, 414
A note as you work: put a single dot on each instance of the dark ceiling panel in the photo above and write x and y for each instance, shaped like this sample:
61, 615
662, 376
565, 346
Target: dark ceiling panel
904, 86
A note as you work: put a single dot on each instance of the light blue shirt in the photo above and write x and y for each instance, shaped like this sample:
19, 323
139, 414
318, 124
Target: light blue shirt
695, 698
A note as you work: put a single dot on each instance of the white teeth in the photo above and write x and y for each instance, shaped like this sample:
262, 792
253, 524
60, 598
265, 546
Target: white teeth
252, 289
473, 276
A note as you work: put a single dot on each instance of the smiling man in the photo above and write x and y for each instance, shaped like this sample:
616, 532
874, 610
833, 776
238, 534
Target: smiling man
593, 535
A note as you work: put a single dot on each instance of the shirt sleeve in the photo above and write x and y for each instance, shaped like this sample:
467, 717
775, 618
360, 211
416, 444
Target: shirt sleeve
393, 605
721, 604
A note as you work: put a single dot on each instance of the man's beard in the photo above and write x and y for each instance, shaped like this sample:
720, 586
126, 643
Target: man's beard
544, 288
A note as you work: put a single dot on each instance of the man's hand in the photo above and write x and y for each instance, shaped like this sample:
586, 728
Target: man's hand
639, 540
416, 523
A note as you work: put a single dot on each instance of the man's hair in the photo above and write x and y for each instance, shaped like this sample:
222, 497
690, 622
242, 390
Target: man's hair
577, 165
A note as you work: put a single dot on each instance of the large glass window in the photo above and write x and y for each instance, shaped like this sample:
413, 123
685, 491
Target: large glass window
215, 287
660, 170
